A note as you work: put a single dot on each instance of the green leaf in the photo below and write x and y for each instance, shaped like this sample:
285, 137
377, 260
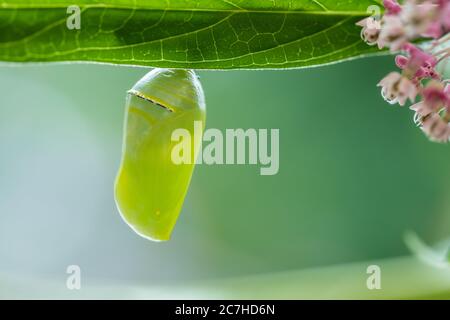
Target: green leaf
206, 34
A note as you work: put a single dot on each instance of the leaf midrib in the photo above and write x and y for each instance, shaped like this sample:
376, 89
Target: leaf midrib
188, 10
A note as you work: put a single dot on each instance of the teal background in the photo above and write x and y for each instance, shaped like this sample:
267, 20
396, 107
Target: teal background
355, 174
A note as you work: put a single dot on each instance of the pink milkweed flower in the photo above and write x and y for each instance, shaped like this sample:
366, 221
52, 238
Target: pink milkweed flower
434, 30
370, 30
392, 7
444, 8
435, 96
421, 111
396, 88
392, 33
436, 128
401, 61
417, 56
421, 19
418, 65
441, 23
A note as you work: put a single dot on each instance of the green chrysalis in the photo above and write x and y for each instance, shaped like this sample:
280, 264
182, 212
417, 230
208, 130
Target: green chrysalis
150, 188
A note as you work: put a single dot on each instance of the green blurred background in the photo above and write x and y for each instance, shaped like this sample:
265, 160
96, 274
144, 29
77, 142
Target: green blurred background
355, 174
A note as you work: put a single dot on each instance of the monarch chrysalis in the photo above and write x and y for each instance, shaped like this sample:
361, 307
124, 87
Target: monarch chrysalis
150, 188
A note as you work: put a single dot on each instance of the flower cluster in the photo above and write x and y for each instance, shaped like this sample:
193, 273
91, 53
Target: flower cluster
418, 76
